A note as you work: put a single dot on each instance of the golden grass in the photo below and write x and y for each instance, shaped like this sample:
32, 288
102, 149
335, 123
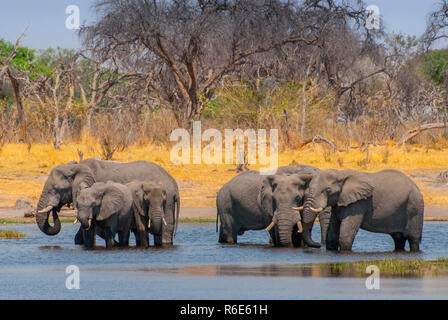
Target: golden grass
22, 174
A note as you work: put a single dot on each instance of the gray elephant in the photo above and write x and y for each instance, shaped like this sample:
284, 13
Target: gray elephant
65, 182
251, 201
105, 209
383, 202
149, 203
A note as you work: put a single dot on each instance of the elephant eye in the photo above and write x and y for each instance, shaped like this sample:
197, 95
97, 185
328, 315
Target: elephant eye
328, 190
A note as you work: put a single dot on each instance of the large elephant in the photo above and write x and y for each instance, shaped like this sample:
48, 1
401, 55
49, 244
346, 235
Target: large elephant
65, 181
105, 209
149, 203
251, 201
384, 202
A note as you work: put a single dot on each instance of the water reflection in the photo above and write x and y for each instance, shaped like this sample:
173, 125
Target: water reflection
322, 270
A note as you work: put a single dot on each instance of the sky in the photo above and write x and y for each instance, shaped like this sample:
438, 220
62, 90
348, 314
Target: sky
47, 19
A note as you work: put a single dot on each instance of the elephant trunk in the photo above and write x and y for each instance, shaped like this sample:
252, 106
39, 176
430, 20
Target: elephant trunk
287, 218
309, 216
156, 221
324, 220
44, 207
306, 234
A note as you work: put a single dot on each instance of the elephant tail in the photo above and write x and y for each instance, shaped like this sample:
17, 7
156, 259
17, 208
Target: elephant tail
177, 208
217, 211
217, 217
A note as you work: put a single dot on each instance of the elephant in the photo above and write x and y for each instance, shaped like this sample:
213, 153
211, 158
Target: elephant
149, 203
251, 201
105, 209
383, 202
65, 182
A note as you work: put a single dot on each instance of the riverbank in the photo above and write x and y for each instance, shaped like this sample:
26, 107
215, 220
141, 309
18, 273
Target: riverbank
23, 172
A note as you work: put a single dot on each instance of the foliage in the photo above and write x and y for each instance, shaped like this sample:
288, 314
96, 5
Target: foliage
434, 66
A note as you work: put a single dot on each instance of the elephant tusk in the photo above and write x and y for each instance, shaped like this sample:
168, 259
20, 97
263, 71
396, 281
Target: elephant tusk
299, 226
317, 210
164, 221
47, 209
76, 221
90, 223
298, 208
270, 226
149, 223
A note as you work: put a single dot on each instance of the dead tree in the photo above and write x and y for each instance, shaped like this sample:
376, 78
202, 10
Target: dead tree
6, 68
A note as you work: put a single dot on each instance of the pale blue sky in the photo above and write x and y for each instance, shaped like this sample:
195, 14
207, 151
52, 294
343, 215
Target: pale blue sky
47, 19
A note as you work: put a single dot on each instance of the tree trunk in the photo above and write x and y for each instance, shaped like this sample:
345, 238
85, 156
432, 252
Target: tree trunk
20, 113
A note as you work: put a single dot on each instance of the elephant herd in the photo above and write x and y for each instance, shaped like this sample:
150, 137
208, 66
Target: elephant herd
288, 203
141, 197
112, 198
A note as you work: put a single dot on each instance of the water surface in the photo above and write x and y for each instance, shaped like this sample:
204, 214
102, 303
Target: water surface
198, 267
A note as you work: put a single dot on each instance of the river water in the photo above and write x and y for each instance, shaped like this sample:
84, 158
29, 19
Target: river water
198, 267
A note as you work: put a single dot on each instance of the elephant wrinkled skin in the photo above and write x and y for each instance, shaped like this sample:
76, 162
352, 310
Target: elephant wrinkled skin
384, 202
251, 201
66, 181
149, 203
105, 209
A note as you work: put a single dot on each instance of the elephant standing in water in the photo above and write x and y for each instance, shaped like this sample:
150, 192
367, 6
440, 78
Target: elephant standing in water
105, 209
251, 201
66, 181
149, 203
385, 202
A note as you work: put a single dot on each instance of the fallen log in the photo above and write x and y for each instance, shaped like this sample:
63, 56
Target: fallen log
416, 131
319, 139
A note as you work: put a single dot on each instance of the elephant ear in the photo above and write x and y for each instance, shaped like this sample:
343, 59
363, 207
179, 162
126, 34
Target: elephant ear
137, 199
110, 203
354, 188
265, 195
81, 177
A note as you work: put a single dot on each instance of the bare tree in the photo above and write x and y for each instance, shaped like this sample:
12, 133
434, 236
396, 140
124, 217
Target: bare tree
186, 48
9, 70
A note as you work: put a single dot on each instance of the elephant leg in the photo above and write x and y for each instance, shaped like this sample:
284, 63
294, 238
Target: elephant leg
324, 220
399, 240
144, 239
108, 237
158, 240
297, 240
123, 238
228, 229
351, 221
273, 239
89, 237
137, 237
168, 229
414, 244
79, 238
332, 239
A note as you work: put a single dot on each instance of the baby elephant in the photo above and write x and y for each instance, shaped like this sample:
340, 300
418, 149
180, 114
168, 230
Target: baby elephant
149, 203
105, 209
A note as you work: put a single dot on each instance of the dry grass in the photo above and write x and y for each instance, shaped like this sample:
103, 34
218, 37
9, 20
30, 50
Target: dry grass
22, 174
11, 234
